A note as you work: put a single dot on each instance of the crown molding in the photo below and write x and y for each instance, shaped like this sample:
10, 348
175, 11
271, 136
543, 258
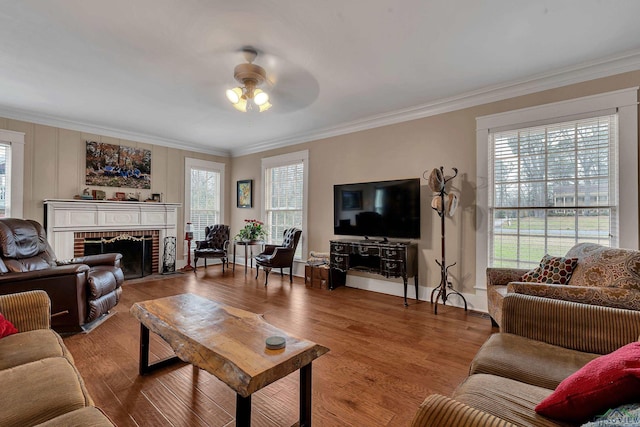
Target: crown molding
43, 119
629, 61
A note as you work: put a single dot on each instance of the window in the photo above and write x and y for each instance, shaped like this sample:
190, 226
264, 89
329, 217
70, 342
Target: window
11, 173
550, 176
285, 196
548, 189
5, 159
203, 194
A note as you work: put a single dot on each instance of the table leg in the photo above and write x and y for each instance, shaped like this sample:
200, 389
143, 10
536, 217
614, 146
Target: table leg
243, 411
144, 366
144, 350
405, 291
245, 259
234, 257
305, 396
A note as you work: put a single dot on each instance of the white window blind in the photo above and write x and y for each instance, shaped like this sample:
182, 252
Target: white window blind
284, 200
5, 158
205, 201
550, 187
204, 194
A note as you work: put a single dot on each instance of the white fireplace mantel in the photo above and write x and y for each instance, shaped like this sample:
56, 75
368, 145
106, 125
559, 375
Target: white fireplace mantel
64, 217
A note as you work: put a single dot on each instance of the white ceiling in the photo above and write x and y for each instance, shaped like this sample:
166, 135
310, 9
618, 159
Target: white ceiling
156, 70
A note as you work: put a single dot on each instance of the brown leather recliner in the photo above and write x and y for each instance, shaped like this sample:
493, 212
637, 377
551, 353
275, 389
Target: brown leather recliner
81, 289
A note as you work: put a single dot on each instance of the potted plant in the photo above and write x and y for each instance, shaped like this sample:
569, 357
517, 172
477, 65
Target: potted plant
253, 230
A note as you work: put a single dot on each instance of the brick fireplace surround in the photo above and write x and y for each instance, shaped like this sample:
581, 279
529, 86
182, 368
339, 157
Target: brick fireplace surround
69, 222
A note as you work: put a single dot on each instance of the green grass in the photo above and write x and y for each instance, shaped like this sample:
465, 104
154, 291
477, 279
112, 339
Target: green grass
559, 223
529, 249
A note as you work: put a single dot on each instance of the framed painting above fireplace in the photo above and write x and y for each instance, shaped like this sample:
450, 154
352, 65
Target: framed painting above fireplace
112, 165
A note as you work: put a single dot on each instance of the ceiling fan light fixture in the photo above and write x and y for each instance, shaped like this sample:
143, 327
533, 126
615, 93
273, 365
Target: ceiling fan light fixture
260, 97
264, 107
234, 95
247, 96
241, 105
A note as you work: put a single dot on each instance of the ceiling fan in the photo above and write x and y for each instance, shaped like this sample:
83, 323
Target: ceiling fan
249, 96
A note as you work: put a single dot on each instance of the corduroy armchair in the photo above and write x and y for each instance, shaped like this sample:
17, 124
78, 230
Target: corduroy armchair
603, 276
40, 383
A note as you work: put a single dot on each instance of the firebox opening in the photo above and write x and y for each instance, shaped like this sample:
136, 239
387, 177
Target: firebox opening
137, 253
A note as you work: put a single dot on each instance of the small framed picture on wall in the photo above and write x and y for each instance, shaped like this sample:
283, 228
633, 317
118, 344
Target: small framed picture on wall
245, 193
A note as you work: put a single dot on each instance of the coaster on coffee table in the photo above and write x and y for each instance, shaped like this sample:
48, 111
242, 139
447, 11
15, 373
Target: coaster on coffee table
276, 342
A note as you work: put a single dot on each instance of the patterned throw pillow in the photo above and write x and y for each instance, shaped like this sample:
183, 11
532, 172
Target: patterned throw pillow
556, 270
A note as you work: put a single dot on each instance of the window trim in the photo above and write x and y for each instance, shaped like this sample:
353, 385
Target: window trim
282, 160
190, 163
626, 103
15, 171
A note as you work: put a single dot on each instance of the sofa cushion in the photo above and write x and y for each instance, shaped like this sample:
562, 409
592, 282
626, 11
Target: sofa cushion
30, 346
504, 398
6, 327
602, 266
603, 383
552, 270
85, 417
528, 361
40, 391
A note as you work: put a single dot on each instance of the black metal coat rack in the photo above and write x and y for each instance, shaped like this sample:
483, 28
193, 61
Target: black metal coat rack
445, 289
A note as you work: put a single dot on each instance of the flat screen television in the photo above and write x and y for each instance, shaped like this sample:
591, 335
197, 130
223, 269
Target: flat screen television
378, 209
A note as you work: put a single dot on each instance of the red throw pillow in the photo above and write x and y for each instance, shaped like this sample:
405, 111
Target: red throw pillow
6, 327
606, 382
555, 270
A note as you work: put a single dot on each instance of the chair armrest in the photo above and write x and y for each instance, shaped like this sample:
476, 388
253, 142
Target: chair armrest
282, 251
113, 259
225, 245
609, 297
582, 327
502, 276
202, 244
61, 270
269, 249
440, 411
27, 310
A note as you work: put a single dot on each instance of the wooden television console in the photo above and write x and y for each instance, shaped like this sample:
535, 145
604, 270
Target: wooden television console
387, 258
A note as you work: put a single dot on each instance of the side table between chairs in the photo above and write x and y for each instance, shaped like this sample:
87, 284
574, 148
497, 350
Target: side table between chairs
246, 244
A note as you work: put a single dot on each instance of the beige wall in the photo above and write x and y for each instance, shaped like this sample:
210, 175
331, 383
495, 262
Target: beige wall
407, 150
55, 167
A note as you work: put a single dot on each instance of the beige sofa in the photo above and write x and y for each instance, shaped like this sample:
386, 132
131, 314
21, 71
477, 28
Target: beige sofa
541, 342
40, 384
603, 276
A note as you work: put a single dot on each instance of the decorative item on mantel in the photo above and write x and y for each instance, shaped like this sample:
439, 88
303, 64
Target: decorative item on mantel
444, 203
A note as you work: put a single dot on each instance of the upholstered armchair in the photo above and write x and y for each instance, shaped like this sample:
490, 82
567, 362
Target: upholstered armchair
81, 289
602, 276
214, 246
280, 256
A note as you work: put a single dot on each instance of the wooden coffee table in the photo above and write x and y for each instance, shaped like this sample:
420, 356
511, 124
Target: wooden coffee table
228, 343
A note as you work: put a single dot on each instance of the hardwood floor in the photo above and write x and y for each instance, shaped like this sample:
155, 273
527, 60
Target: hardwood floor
384, 359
